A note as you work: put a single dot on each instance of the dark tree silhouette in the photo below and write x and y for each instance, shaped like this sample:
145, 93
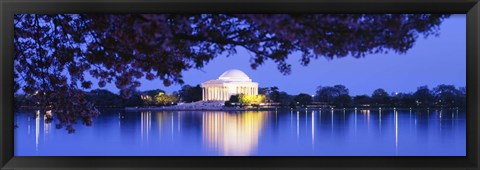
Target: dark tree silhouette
329, 94
361, 100
53, 53
104, 98
191, 94
446, 95
343, 100
402, 100
303, 99
424, 97
380, 97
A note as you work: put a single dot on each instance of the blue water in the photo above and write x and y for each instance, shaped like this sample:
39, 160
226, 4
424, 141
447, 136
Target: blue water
267, 133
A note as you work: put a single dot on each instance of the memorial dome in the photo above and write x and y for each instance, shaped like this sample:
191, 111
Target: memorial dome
234, 75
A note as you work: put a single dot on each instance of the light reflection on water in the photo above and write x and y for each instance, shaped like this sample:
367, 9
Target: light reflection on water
322, 132
232, 134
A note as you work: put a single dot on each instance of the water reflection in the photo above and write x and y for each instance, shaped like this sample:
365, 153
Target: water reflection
37, 128
146, 125
283, 132
396, 131
313, 129
232, 133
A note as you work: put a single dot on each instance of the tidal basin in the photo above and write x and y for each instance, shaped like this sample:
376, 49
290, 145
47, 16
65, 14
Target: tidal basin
317, 132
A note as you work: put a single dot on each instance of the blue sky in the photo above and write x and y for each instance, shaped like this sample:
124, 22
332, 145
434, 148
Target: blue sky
431, 61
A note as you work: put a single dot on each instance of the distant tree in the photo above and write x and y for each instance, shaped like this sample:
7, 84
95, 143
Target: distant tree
274, 94
380, 97
402, 100
264, 90
134, 100
424, 97
152, 92
234, 99
165, 99
190, 94
343, 100
329, 94
446, 95
147, 100
101, 97
462, 90
303, 99
246, 99
325, 94
461, 98
361, 100
53, 53
284, 98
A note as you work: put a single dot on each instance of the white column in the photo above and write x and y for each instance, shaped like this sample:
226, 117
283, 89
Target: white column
215, 93
203, 93
207, 93
225, 93
224, 96
219, 93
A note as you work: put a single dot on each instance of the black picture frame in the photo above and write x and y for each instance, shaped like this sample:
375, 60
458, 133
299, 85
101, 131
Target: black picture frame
10, 7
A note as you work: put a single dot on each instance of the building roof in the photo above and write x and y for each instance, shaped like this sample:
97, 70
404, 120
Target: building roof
234, 75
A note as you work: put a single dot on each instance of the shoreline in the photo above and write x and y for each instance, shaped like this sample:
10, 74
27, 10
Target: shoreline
270, 109
222, 108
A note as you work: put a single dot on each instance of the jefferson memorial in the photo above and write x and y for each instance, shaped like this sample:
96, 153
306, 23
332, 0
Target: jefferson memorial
231, 82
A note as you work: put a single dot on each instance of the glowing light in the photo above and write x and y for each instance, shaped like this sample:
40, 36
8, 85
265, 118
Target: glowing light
396, 131
145, 125
37, 128
232, 134
313, 129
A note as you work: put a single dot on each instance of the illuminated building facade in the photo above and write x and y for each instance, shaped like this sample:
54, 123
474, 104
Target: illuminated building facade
231, 82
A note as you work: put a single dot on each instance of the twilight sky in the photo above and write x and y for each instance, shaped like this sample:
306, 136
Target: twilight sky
431, 61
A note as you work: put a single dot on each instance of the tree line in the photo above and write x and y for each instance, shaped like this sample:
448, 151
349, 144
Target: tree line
338, 96
106, 98
325, 96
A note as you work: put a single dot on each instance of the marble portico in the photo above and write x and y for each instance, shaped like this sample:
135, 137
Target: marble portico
231, 82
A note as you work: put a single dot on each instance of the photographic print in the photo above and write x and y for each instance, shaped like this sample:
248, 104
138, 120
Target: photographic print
240, 85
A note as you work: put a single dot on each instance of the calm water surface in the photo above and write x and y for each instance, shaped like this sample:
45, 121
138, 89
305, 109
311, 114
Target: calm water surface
269, 133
